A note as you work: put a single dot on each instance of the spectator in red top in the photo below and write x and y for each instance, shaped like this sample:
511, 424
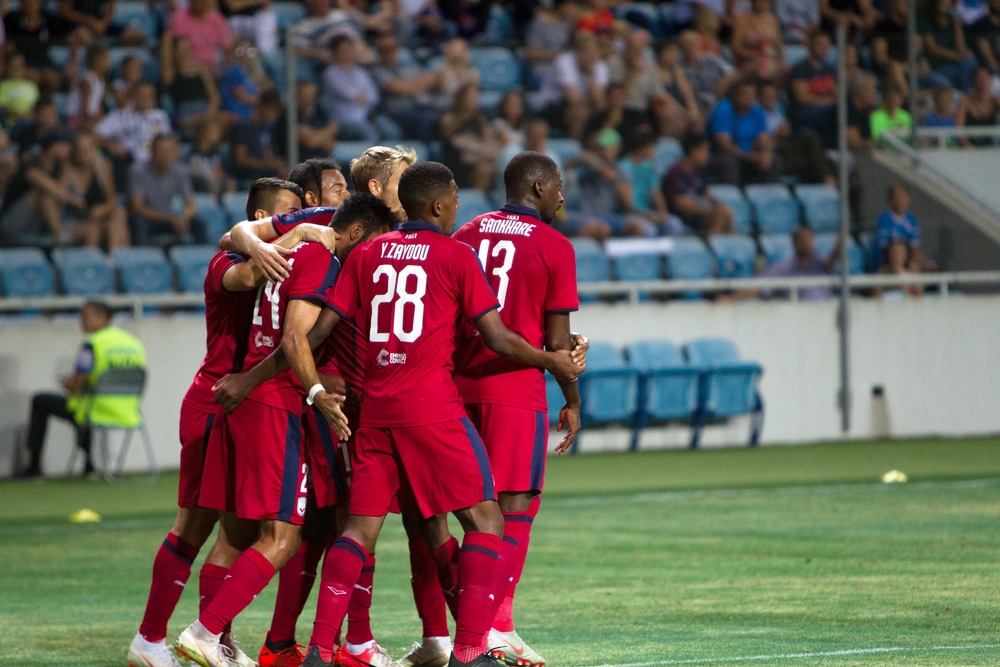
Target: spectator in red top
596, 19
207, 29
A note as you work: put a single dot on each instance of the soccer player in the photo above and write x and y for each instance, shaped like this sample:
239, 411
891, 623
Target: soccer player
532, 270
377, 170
412, 286
228, 305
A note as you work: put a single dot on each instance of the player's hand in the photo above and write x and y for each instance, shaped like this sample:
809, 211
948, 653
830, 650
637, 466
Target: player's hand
328, 236
579, 352
330, 407
562, 366
231, 389
271, 260
570, 418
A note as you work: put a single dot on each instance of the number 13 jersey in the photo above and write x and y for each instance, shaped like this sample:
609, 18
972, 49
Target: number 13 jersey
415, 288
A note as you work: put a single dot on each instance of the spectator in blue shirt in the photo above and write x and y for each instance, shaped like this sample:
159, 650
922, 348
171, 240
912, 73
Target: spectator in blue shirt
744, 151
897, 224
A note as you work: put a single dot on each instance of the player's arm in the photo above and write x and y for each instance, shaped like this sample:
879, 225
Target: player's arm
559, 337
508, 344
300, 317
248, 275
251, 238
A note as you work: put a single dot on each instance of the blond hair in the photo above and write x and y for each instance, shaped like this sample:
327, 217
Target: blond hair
378, 162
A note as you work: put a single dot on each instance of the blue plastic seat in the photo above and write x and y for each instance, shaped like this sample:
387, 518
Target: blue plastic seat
472, 204
825, 243
592, 265
143, 270
728, 385
776, 247
345, 151
668, 389
500, 28
210, 211
820, 207
668, 152
733, 197
289, 13
136, 14
191, 264
610, 387
735, 255
689, 259
775, 209
84, 271
644, 266
25, 273
565, 148
234, 204
498, 68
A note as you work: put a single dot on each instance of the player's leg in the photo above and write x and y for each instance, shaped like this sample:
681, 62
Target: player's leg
428, 593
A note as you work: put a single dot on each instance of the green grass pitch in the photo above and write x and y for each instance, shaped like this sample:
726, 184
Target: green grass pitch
770, 556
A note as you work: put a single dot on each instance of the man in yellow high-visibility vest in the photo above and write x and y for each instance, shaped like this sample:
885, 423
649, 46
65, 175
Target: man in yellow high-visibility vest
106, 347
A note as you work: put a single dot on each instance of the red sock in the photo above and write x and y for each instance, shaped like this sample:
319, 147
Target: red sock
477, 568
295, 581
446, 560
341, 571
517, 528
359, 618
171, 569
427, 594
209, 582
506, 565
247, 577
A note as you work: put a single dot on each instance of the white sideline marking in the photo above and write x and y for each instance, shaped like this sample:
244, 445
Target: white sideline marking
802, 656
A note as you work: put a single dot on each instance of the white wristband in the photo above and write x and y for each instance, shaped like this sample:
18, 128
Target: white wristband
315, 389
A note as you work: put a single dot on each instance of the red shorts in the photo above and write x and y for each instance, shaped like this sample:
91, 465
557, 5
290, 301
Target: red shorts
439, 467
329, 468
218, 479
196, 425
517, 440
270, 466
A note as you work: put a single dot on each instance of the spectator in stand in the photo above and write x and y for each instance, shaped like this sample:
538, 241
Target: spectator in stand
98, 18
709, 75
979, 108
685, 189
406, 89
18, 93
350, 95
596, 18
944, 43
160, 198
191, 87
613, 116
31, 213
798, 19
578, 86
27, 135
130, 75
255, 142
744, 149
645, 96
801, 154
28, 31
803, 263
814, 92
126, 134
943, 114
756, 43
890, 51
312, 36
862, 96
456, 71
424, 25
469, 18
897, 224
468, 143
899, 262
639, 172
206, 29
987, 37
85, 105
859, 16
255, 20
508, 126
317, 134
677, 86
549, 33
709, 21
243, 81
891, 116
206, 162
101, 220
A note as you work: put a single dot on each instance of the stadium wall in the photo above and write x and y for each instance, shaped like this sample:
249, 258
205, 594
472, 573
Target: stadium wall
936, 359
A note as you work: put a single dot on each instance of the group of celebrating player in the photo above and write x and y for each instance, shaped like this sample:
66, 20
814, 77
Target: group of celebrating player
360, 362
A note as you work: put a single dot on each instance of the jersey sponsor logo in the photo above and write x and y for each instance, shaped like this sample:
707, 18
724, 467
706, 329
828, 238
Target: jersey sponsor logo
510, 224
260, 340
386, 358
417, 251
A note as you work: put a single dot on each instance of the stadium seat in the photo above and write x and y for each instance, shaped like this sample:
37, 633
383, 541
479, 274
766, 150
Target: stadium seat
500, 28
610, 387
25, 273
84, 271
143, 270
825, 243
644, 266
728, 385
776, 247
289, 13
500, 71
775, 210
191, 264
565, 148
472, 204
733, 197
820, 207
138, 15
592, 265
643, 15
795, 53
668, 386
735, 255
213, 215
345, 151
668, 152
234, 204
689, 259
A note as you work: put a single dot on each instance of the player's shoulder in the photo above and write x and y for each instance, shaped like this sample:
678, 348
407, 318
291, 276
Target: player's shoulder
317, 215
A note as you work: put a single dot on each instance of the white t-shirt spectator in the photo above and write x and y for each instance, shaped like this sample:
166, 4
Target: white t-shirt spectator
134, 130
566, 74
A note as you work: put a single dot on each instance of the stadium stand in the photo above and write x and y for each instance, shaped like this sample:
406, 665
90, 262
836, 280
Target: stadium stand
735, 255
733, 197
668, 386
143, 270
775, 209
191, 265
820, 207
729, 385
610, 387
25, 273
84, 272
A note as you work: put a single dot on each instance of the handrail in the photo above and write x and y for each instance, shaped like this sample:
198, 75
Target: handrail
945, 281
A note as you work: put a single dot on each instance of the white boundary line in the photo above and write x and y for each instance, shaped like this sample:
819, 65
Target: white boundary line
804, 656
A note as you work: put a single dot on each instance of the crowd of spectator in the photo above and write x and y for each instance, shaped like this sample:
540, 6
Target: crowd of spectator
110, 130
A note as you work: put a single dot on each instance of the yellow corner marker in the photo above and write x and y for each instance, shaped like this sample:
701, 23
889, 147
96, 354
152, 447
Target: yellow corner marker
894, 477
84, 516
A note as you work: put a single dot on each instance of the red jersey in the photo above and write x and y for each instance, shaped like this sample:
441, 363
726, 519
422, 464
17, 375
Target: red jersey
532, 269
312, 271
286, 222
227, 324
414, 287
344, 353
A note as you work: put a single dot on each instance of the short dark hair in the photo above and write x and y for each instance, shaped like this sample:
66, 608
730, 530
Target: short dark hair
369, 210
100, 308
338, 40
264, 192
524, 170
692, 140
269, 98
161, 137
308, 175
421, 184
